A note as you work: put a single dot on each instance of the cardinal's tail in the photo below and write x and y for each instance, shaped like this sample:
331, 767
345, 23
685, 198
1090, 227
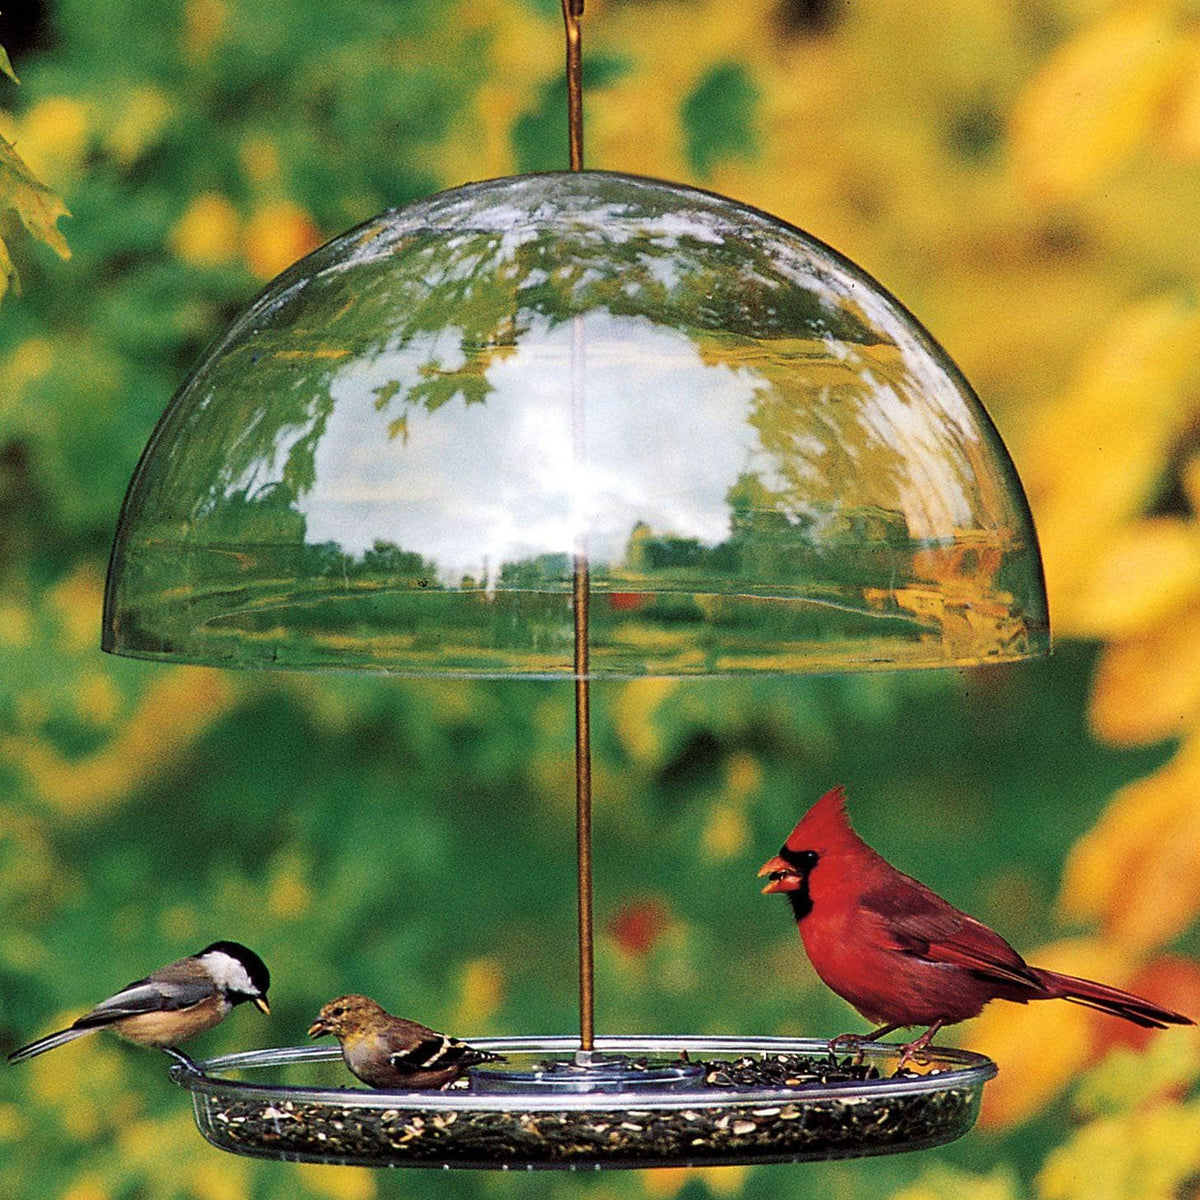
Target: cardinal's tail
1110, 1000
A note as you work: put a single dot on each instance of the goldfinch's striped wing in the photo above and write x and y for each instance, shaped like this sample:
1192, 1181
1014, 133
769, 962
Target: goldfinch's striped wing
437, 1052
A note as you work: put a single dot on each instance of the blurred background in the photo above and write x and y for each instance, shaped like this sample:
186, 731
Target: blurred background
1023, 174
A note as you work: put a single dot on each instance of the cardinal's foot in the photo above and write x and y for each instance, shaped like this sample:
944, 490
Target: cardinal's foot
914, 1051
852, 1041
848, 1042
858, 1040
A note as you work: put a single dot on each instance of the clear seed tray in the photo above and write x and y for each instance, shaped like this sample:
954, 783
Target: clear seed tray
752, 1100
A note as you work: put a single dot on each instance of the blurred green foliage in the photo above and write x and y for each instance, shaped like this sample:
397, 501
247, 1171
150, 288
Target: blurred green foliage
718, 118
414, 839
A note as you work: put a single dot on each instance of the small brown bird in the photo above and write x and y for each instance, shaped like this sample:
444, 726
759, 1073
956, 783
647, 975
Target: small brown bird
390, 1052
174, 1003
900, 953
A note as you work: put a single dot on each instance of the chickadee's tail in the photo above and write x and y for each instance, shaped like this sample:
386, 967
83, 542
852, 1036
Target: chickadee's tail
1110, 1000
47, 1043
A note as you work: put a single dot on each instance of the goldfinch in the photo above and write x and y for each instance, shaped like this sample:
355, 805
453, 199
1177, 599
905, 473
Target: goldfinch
391, 1052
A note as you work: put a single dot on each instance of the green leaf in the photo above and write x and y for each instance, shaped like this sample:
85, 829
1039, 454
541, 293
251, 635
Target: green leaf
6, 66
37, 206
8, 273
1128, 1079
718, 118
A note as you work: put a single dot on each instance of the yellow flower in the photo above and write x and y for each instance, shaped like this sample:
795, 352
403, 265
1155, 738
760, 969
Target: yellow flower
1129, 1078
668, 1182
1094, 459
209, 232
76, 601
1138, 869
211, 1180
1140, 1155
276, 235
945, 1183
1095, 99
743, 776
203, 23
1145, 572
97, 700
725, 833
53, 137
87, 1188
16, 625
174, 710
139, 118
523, 51
1148, 687
30, 361
481, 992
337, 1183
288, 894
635, 713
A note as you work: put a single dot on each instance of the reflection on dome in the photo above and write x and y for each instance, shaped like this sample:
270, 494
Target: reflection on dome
377, 466
518, 507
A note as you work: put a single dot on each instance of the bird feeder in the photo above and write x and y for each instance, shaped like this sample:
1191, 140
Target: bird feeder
577, 425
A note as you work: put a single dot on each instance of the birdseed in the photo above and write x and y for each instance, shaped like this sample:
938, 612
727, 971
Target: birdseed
517, 1138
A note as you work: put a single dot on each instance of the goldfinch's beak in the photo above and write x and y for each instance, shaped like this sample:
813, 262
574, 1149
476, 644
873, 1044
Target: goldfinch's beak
781, 877
318, 1028
260, 1002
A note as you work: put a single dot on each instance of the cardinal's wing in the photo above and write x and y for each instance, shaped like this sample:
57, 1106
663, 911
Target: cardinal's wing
918, 921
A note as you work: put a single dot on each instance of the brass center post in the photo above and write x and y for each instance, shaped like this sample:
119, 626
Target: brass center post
572, 11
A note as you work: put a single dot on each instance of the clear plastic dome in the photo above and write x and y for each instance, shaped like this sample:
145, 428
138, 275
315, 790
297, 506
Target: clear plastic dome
390, 459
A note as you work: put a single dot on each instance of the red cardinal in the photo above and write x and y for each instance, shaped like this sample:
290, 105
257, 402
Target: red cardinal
898, 952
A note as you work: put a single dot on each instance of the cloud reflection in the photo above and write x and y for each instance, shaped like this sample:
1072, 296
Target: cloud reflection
472, 487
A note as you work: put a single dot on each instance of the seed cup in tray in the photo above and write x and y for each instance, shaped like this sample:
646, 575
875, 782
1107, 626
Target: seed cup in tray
679, 1101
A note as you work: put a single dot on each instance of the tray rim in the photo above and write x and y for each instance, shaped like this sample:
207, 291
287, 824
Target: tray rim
951, 1068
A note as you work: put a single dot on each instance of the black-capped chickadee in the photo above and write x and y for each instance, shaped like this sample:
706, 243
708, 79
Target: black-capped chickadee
391, 1052
174, 1003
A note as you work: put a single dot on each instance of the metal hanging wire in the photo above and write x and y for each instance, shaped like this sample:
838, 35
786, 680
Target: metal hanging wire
581, 585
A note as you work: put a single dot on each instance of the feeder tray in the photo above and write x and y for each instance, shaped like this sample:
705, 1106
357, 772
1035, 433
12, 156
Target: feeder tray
521, 1115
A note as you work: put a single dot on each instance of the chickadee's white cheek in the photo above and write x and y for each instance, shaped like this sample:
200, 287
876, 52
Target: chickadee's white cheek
228, 973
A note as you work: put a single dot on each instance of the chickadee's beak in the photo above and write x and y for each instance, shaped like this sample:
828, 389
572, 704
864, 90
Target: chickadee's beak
780, 876
260, 1002
318, 1028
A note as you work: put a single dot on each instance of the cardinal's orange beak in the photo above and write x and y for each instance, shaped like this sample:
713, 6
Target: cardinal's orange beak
781, 877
